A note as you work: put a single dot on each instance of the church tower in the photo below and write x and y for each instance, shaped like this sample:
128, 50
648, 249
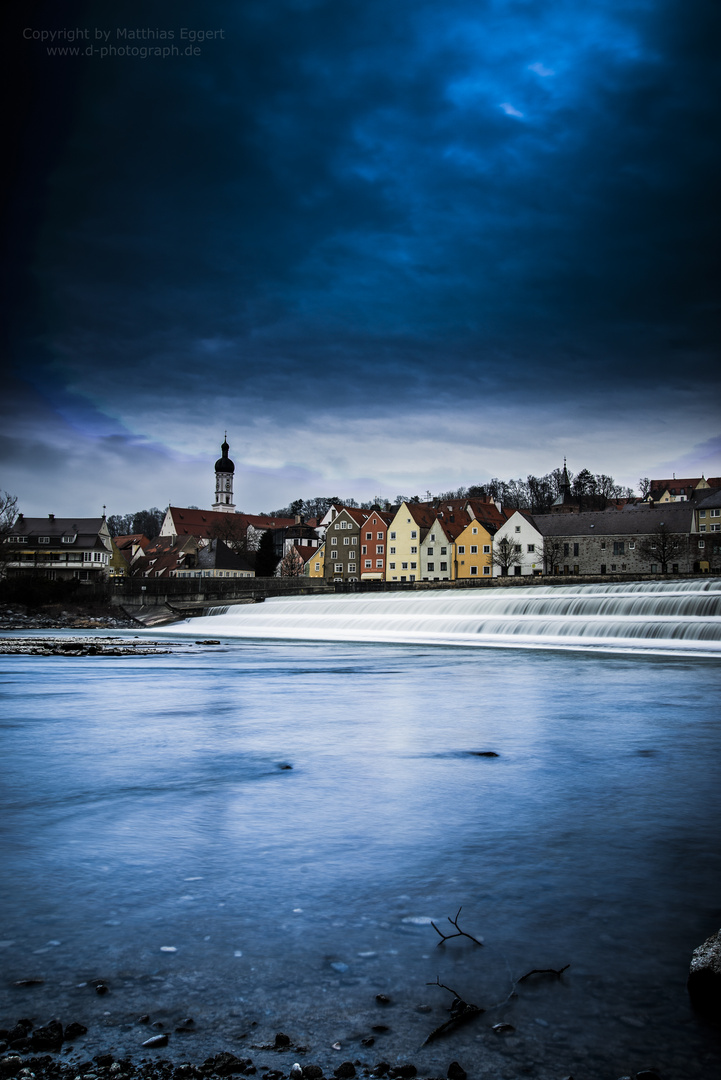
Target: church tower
224, 469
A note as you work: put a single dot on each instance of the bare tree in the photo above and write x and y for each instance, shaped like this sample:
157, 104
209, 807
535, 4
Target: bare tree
234, 532
8, 513
506, 553
552, 551
661, 546
292, 565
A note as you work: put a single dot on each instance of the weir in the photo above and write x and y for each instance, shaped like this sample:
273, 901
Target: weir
643, 617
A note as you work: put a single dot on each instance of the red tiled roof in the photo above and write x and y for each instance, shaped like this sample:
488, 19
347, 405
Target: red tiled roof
187, 522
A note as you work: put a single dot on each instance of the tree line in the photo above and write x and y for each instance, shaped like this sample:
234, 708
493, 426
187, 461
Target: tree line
536, 494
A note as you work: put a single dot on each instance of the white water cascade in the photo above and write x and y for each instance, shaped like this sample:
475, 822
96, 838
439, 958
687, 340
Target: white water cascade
681, 617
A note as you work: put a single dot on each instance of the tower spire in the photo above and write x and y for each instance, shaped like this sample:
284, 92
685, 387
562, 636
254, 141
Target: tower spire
224, 470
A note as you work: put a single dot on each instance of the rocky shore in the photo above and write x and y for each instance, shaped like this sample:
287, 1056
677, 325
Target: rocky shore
55, 617
35, 1054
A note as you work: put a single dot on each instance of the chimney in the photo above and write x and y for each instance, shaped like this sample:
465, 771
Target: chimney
51, 517
297, 519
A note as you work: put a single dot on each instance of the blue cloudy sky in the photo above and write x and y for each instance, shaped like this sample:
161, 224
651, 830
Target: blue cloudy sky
391, 247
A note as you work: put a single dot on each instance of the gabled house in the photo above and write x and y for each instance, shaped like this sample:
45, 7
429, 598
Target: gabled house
315, 561
437, 548
472, 550
60, 548
373, 545
342, 545
406, 532
518, 547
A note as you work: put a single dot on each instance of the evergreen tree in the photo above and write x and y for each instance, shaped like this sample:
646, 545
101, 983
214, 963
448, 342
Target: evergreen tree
266, 559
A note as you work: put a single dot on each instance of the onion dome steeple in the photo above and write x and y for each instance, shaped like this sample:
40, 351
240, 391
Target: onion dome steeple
224, 469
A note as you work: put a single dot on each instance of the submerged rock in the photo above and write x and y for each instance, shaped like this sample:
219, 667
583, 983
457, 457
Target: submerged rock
704, 980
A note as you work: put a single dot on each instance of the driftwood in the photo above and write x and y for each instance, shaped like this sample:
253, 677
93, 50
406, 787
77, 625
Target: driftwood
459, 933
461, 1012
544, 971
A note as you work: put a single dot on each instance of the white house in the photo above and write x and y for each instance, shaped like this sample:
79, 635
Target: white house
520, 537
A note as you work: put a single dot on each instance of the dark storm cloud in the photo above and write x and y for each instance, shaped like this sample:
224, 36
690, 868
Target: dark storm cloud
460, 200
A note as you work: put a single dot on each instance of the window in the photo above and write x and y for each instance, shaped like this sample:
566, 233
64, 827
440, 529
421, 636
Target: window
344, 524
702, 513
87, 556
530, 548
714, 513
517, 549
518, 528
346, 540
433, 538
70, 539
474, 531
404, 566
461, 549
716, 528
351, 568
414, 534
369, 536
391, 566
391, 551
337, 525
43, 539
430, 551
444, 551
618, 547
334, 540
632, 545
474, 571
575, 549
444, 566
603, 545
339, 568
702, 545
474, 549
654, 568
379, 549
379, 564
702, 528
486, 549
317, 568
414, 551
368, 564
431, 567
486, 569
379, 536
393, 536
18, 539
414, 566
364, 550
566, 549
613, 566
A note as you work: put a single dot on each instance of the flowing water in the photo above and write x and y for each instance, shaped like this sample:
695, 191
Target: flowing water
147, 807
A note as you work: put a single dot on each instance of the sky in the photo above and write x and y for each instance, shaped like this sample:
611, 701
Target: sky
391, 248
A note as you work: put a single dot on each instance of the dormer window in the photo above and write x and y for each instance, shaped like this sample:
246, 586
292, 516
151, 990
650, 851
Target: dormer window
70, 539
43, 539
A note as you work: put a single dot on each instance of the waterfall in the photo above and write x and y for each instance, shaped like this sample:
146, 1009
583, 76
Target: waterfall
655, 617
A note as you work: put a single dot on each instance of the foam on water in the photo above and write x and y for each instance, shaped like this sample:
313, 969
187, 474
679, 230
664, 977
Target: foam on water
668, 618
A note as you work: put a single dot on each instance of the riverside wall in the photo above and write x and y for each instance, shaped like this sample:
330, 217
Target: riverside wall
177, 591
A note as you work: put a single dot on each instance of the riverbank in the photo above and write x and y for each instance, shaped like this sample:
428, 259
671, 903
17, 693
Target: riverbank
57, 617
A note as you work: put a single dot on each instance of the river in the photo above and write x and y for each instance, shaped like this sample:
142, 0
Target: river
154, 838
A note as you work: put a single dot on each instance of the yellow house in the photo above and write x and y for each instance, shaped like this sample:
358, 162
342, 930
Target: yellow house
406, 533
472, 554
315, 563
